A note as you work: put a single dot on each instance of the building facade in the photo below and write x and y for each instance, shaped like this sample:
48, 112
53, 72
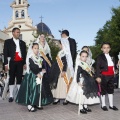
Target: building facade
3, 37
21, 19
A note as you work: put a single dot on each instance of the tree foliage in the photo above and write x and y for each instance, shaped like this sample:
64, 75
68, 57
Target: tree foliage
109, 33
54, 48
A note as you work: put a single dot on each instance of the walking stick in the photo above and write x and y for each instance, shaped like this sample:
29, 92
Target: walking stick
119, 71
41, 88
40, 93
80, 102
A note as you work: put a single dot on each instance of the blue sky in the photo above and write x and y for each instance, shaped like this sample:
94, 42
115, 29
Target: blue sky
83, 18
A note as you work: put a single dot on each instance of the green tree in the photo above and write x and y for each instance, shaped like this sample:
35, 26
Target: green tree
54, 48
109, 33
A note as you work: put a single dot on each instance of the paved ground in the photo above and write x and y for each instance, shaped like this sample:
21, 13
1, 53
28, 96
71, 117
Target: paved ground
12, 111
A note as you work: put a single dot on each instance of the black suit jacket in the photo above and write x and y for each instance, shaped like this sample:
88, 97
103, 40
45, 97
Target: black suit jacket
101, 65
10, 49
73, 49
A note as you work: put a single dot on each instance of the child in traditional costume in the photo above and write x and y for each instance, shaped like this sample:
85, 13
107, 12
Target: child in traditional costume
83, 90
89, 61
105, 76
30, 92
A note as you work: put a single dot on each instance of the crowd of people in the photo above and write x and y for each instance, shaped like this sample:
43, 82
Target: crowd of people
71, 78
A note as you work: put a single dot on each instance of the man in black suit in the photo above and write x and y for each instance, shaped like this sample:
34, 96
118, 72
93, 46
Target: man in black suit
69, 47
16, 50
72, 44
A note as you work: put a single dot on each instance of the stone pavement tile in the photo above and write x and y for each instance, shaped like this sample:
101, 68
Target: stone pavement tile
13, 111
12, 116
47, 117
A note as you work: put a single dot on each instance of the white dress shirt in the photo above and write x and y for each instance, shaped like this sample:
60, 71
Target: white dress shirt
109, 60
17, 46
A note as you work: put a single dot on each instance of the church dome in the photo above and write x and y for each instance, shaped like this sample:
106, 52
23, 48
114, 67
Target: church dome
43, 28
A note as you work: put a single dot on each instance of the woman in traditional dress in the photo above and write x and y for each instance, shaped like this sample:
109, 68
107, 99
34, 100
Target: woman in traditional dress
45, 53
83, 90
59, 77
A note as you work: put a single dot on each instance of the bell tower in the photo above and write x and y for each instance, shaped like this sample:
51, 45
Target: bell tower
21, 19
20, 10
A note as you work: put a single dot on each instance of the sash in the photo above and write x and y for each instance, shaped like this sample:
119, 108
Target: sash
45, 57
68, 87
86, 67
67, 82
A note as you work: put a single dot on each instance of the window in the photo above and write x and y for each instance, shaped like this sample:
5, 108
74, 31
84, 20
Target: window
16, 14
22, 14
19, 1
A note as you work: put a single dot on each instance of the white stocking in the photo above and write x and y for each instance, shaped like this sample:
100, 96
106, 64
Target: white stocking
11, 88
18, 87
110, 96
56, 100
85, 102
81, 107
103, 100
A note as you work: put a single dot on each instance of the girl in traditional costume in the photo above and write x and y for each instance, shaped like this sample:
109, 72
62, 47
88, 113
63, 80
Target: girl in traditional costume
31, 92
83, 89
90, 61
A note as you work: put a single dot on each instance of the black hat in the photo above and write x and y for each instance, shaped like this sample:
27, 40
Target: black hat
66, 32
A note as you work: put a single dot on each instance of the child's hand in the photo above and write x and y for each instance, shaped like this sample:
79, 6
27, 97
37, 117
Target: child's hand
81, 85
39, 76
3, 78
62, 74
43, 71
98, 80
24, 67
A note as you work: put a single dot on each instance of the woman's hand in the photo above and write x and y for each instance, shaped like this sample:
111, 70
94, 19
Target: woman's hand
62, 74
43, 71
118, 63
98, 80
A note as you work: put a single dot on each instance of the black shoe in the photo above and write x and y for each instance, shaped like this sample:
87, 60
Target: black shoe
104, 108
87, 109
55, 103
65, 103
39, 108
83, 111
113, 108
11, 99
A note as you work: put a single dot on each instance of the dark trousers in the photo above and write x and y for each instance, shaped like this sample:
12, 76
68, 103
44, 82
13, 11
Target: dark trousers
107, 85
16, 71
